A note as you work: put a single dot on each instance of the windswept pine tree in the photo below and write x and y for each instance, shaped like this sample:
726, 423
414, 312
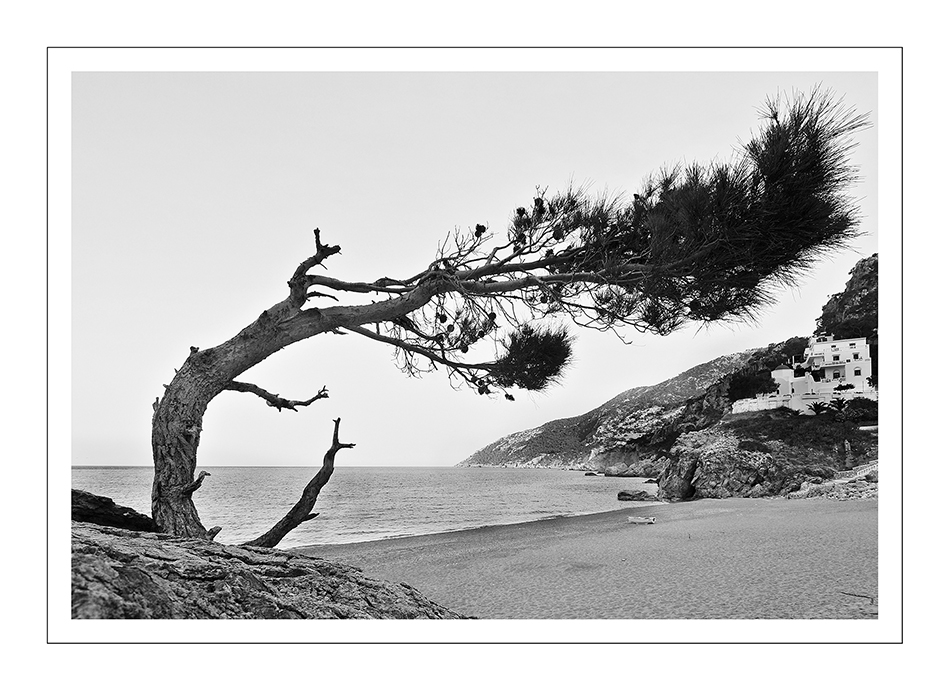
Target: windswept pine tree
698, 243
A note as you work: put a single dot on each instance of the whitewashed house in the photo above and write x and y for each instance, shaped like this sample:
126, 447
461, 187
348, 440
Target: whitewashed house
828, 369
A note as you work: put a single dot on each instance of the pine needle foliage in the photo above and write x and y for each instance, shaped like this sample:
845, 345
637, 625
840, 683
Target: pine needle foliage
698, 243
712, 241
535, 357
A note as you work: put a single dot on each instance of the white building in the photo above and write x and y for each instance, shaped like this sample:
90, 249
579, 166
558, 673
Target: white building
828, 369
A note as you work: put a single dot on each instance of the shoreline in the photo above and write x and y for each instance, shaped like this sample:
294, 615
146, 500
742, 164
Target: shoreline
472, 529
734, 558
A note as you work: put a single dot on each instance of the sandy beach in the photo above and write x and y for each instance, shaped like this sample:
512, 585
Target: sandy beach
709, 559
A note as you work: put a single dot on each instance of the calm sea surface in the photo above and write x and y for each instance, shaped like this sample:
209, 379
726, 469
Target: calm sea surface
362, 504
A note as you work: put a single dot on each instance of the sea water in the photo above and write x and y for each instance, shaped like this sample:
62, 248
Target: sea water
371, 503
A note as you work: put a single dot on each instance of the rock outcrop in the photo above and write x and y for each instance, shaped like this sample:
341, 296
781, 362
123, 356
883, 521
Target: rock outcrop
853, 312
859, 488
716, 463
857, 483
619, 470
91, 508
634, 495
120, 574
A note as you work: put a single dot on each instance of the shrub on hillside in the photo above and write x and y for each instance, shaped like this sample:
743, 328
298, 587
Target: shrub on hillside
820, 433
861, 410
747, 385
793, 347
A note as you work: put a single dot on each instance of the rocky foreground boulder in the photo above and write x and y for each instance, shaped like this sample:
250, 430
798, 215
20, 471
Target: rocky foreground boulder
123, 574
92, 508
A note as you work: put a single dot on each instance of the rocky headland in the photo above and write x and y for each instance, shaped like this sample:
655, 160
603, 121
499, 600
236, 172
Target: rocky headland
623, 430
682, 431
696, 447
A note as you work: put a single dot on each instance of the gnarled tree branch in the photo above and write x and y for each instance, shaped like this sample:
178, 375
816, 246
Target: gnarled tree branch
301, 510
273, 399
299, 281
192, 487
357, 287
425, 352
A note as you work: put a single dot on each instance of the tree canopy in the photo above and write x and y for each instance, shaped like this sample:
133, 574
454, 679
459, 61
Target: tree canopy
698, 243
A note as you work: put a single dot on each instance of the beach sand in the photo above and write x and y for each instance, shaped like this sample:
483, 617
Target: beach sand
709, 559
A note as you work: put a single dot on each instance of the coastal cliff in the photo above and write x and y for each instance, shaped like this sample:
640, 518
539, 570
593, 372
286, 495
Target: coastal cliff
638, 428
773, 453
623, 430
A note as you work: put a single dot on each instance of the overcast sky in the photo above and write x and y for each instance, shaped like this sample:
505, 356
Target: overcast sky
194, 196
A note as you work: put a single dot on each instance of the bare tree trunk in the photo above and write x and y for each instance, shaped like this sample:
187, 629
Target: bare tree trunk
301, 510
176, 431
176, 423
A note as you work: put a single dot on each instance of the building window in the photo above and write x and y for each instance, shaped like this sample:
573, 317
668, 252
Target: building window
857, 371
852, 345
836, 375
834, 358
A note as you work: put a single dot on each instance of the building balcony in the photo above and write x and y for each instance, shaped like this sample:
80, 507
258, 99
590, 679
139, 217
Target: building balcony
828, 363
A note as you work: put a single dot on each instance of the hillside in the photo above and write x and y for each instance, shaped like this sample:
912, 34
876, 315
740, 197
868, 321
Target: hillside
617, 429
852, 313
640, 431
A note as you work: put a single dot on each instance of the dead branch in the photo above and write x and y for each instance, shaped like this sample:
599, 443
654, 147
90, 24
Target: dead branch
274, 400
301, 510
351, 287
315, 294
298, 282
191, 488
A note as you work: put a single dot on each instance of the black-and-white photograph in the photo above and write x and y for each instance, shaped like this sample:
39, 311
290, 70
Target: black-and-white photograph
476, 335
